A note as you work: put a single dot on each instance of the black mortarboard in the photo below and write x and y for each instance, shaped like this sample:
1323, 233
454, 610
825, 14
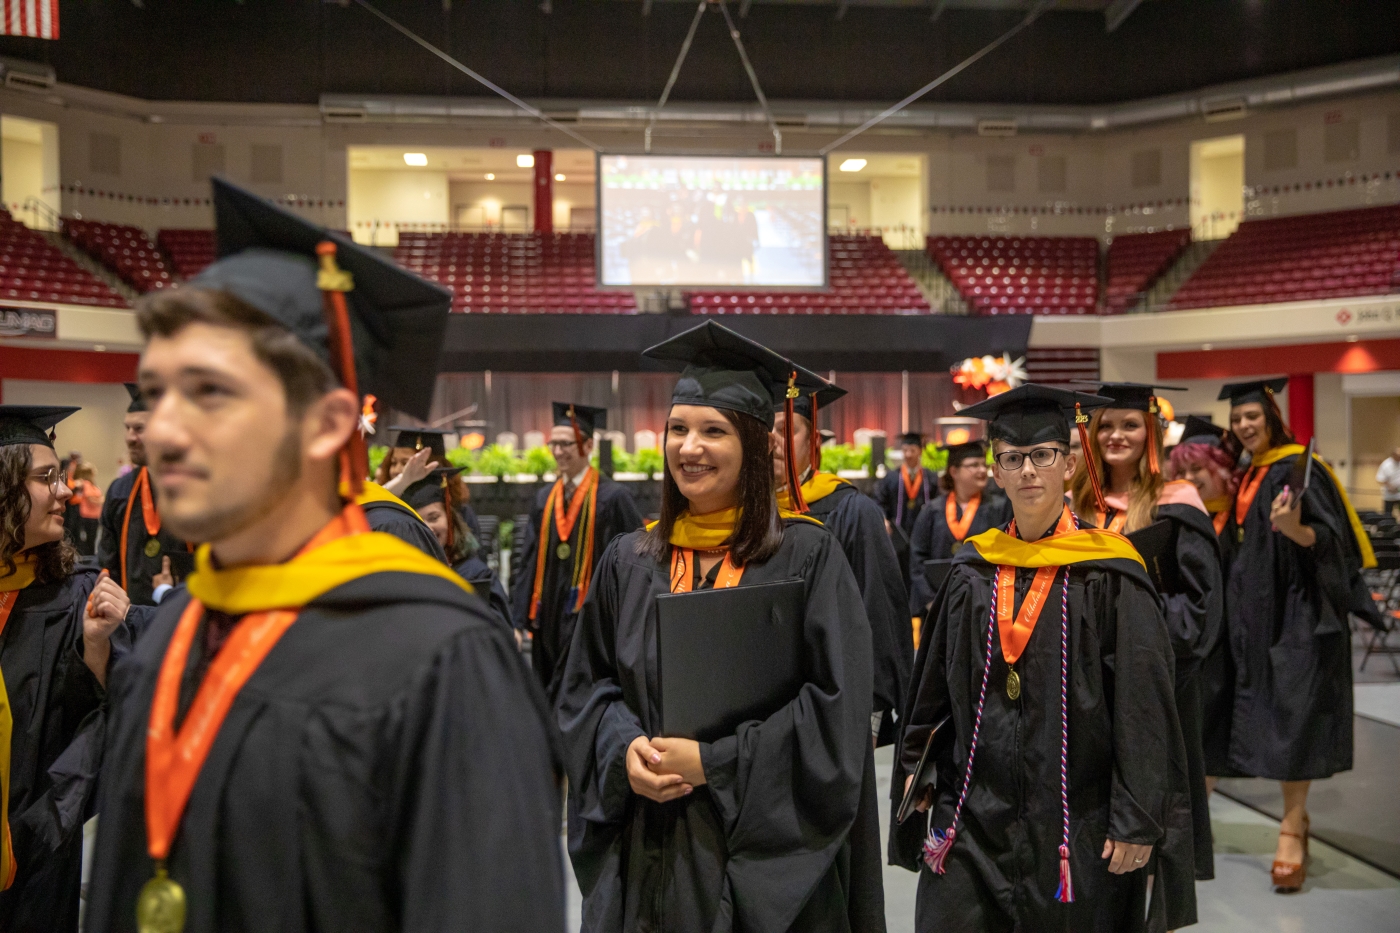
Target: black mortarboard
911, 437
138, 403
802, 405
722, 369
418, 438
1032, 414
1240, 392
588, 418
1198, 430
397, 321
972, 450
30, 424
1137, 396
431, 488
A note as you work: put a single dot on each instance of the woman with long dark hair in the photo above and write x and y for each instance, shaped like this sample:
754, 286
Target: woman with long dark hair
1125, 442
59, 630
1293, 577
749, 831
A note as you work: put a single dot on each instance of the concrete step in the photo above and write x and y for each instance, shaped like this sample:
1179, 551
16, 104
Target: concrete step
1161, 291
942, 295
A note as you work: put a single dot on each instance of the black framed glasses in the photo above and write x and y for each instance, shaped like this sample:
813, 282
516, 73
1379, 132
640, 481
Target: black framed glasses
1013, 460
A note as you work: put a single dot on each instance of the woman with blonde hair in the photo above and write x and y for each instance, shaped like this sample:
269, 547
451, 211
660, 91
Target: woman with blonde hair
1123, 445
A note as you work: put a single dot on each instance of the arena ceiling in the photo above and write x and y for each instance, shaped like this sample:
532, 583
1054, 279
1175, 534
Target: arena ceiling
293, 51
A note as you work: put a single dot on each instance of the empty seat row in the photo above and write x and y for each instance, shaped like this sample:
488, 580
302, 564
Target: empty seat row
126, 250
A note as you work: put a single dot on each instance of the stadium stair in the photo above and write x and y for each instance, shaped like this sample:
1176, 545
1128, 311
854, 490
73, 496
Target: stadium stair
1000, 274
942, 295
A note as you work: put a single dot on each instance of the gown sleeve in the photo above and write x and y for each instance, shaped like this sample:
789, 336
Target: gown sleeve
522, 567
1149, 754
475, 799
390, 520
920, 550
109, 539
596, 724
786, 789
1335, 558
1194, 615
884, 496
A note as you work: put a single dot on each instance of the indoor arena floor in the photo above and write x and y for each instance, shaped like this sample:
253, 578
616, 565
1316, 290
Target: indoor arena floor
1353, 878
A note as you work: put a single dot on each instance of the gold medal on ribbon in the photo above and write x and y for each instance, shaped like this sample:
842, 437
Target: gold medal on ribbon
1013, 686
563, 550
152, 547
957, 546
160, 908
1239, 534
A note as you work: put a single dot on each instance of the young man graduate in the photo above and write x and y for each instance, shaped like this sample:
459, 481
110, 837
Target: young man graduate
135, 545
327, 732
1045, 679
902, 495
571, 525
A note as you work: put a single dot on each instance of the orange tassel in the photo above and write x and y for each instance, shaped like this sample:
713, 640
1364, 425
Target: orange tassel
794, 487
814, 440
354, 458
1080, 420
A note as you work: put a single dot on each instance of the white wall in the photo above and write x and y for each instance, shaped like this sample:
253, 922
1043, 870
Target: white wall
379, 199
97, 430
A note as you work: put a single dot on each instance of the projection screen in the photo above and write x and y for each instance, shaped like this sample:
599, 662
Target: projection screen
711, 222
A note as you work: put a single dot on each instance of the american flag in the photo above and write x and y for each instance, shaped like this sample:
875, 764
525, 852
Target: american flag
37, 19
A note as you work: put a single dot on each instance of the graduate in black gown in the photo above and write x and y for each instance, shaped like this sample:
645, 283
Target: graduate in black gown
571, 524
384, 506
133, 545
963, 511
1125, 443
1294, 575
1046, 668
903, 494
335, 733
60, 631
415, 453
431, 498
751, 831
856, 522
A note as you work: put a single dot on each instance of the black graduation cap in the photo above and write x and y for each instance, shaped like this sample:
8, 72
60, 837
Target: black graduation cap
431, 488
1259, 391
31, 424
397, 321
911, 437
1198, 430
138, 403
418, 438
722, 369
972, 450
1032, 414
1138, 396
586, 417
802, 405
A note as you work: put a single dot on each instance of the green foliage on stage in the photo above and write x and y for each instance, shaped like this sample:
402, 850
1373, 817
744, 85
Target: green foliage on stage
538, 461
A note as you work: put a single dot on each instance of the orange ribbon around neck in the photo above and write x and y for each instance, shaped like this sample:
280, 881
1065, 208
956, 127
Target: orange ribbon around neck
1219, 519
1117, 523
959, 526
7, 605
911, 489
174, 760
682, 562
149, 516
1248, 490
565, 517
1016, 633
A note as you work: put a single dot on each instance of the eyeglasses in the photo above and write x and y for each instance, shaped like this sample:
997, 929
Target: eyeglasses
51, 478
1013, 460
560, 445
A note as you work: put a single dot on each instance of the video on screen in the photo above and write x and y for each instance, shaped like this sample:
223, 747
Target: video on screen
709, 222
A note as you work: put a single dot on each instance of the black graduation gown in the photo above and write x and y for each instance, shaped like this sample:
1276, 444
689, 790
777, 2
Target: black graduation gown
932, 539
488, 586
859, 527
55, 749
388, 767
1218, 682
139, 567
901, 512
1286, 619
763, 846
399, 521
553, 626
1127, 764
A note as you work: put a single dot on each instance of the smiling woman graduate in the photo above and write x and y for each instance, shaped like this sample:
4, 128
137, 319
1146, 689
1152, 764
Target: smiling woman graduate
328, 731
1045, 681
749, 831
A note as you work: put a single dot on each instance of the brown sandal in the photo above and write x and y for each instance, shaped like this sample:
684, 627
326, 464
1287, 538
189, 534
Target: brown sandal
1288, 877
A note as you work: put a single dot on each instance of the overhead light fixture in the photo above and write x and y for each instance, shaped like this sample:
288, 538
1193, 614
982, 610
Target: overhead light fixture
852, 165
558, 177
490, 177
524, 161
418, 159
